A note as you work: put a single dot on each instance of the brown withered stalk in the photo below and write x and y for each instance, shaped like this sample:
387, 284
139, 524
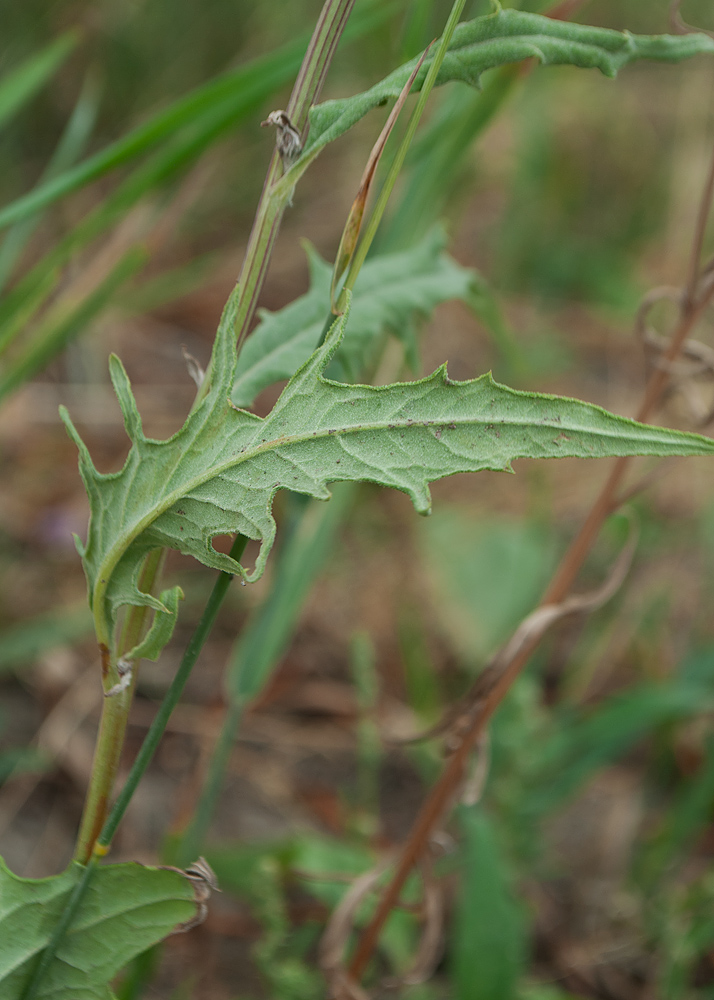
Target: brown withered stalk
696, 295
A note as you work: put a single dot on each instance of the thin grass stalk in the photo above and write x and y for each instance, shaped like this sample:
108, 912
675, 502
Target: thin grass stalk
194, 834
170, 701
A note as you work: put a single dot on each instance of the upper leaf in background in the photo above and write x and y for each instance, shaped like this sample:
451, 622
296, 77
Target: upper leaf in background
506, 36
126, 909
391, 289
219, 474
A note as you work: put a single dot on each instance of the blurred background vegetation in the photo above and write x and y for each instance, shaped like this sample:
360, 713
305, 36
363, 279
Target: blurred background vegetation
586, 869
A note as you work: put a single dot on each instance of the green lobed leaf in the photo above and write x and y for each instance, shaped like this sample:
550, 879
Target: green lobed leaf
219, 474
126, 909
391, 288
505, 36
162, 628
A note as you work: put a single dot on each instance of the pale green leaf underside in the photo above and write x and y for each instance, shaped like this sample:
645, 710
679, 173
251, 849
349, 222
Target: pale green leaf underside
126, 909
391, 288
507, 36
220, 472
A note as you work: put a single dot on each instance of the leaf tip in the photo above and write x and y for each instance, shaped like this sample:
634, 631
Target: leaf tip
125, 396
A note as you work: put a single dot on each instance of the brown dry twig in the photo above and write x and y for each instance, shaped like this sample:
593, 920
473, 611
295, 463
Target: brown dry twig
459, 719
697, 296
679, 25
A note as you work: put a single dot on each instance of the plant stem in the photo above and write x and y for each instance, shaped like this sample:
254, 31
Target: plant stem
398, 161
115, 711
115, 715
171, 698
441, 795
143, 759
272, 204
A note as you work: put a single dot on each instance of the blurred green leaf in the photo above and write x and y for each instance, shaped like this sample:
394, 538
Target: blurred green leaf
487, 946
70, 148
301, 556
57, 330
24, 642
436, 161
20, 760
487, 573
422, 684
245, 88
585, 741
234, 94
21, 84
390, 291
686, 817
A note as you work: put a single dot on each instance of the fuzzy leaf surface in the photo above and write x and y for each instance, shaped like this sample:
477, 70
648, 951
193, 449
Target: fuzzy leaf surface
506, 36
126, 909
219, 474
391, 289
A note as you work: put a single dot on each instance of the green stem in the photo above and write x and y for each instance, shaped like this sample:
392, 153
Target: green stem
171, 698
270, 211
307, 87
398, 161
271, 207
143, 759
115, 715
194, 833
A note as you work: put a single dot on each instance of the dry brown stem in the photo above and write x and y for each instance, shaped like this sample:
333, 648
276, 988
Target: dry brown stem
695, 298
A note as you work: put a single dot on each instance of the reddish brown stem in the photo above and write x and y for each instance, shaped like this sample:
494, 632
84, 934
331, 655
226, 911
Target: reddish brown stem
439, 798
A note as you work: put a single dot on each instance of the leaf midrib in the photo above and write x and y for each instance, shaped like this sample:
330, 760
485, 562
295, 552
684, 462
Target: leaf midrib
107, 567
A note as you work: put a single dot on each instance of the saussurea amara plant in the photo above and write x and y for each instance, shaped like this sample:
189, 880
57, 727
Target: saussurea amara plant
69, 935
